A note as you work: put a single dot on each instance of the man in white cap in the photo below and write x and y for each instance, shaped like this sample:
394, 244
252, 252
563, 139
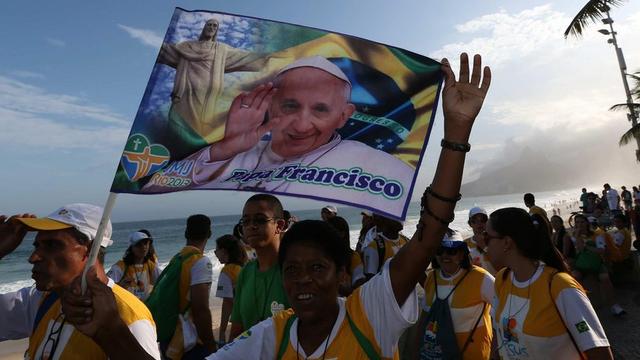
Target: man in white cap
476, 243
46, 312
305, 105
328, 212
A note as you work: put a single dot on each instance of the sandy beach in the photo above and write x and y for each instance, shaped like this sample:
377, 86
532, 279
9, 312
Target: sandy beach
14, 349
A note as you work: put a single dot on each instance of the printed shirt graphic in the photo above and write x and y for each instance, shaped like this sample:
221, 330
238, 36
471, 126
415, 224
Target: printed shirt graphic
391, 247
478, 256
466, 305
622, 239
528, 326
259, 295
18, 311
227, 280
373, 309
141, 275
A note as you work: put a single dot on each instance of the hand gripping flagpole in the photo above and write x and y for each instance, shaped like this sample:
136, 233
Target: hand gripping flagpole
95, 246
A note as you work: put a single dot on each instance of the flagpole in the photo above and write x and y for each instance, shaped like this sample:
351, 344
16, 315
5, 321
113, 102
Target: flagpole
95, 246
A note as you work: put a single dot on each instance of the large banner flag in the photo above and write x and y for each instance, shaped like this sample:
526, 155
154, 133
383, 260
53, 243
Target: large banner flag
240, 103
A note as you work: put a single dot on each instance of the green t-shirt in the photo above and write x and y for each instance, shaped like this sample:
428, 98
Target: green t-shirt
259, 295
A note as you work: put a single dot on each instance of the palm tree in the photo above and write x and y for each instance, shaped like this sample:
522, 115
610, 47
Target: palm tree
634, 132
591, 12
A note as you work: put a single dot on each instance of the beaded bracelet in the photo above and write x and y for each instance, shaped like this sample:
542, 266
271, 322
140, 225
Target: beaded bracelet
455, 146
443, 198
442, 221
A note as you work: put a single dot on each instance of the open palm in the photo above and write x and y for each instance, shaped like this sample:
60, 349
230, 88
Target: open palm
462, 99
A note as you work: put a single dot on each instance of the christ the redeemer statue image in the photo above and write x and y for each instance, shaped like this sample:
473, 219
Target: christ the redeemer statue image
200, 67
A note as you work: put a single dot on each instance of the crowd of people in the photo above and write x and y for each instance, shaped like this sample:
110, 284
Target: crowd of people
295, 289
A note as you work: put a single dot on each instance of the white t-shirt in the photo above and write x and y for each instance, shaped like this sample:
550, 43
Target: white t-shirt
225, 286
18, 311
387, 318
612, 199
202, 271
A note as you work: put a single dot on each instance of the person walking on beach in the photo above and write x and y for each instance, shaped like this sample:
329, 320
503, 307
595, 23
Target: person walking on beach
476, 244
583, 198
369, 322
328, 212
627, 198
186, 282
45, 313
230, 253
540, 311
463, 330
259, 290
591, 247
138, 270
612, 198
530, 203
384, 246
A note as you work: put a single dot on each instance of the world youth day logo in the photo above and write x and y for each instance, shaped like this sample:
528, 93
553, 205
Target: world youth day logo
140, 158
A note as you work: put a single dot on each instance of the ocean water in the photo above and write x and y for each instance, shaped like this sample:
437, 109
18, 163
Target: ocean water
168, 235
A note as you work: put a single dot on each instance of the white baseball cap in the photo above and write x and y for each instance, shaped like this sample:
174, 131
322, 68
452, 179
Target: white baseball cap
317, 62
331, 209
83, 217
137, 236
477, 210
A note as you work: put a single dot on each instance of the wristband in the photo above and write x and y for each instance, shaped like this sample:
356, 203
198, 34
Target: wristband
455, 146
443, 198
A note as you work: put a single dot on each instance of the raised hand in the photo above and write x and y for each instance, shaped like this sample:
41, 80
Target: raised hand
12, 232
244, 126
462, 99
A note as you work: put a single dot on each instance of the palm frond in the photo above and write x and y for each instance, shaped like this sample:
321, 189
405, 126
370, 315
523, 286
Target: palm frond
591, 12
625, 106
630, 135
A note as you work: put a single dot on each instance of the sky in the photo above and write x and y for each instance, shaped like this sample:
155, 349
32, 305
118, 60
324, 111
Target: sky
72, 77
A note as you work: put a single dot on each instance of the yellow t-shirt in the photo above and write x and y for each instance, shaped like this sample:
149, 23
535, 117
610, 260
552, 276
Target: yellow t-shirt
622, 239
143, 276
466, 305
372, 308
371, 256
527, 323
55, 339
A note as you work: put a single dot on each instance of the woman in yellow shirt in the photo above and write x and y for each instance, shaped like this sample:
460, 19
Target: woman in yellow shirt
230, 252
463, 330
138, 270
540, 311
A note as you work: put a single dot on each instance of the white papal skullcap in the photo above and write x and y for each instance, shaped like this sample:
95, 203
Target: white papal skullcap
317, 62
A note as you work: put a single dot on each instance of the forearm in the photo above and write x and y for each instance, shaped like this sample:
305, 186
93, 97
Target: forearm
118, 342
408, 266
227, 307
203, 323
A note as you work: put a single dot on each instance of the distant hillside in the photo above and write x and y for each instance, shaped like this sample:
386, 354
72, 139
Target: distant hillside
532, 172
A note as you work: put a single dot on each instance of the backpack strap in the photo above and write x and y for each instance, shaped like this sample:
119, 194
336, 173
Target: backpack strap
561, 319
285, 337
364, 343
45, 305
470, 338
